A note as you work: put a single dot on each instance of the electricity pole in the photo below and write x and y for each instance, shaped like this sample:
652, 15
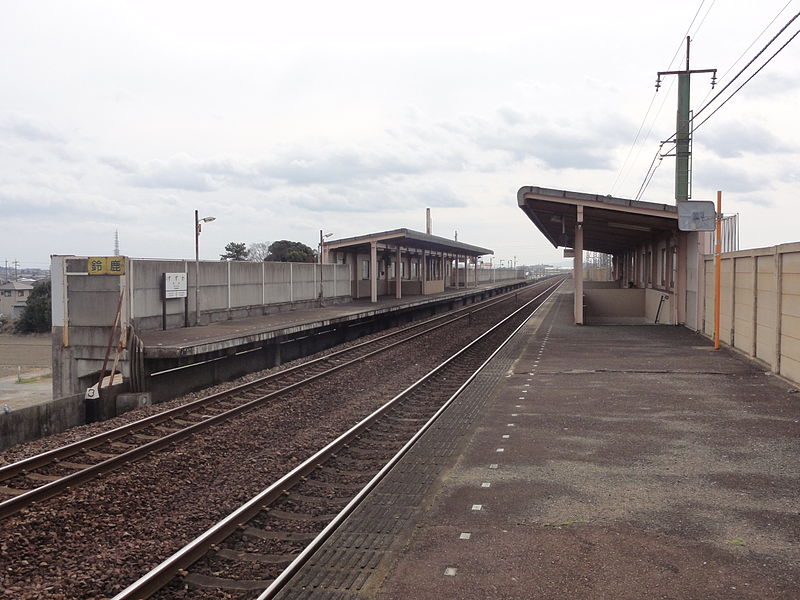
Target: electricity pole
683, 140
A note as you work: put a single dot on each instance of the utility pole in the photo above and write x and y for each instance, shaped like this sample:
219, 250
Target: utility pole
683, 140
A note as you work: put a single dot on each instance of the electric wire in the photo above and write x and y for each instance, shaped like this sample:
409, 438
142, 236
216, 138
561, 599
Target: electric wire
746, 50
746, 81
652, 100
651, 170
752, 60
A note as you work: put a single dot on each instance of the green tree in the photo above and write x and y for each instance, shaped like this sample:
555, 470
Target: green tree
235, 251
288, 251
36, 318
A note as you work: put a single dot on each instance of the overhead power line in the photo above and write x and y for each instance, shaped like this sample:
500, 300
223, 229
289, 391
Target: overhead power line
652, 100
746, 50
746, 81
653, 166
752, 60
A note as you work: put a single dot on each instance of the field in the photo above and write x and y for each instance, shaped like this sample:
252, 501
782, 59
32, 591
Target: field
26, 351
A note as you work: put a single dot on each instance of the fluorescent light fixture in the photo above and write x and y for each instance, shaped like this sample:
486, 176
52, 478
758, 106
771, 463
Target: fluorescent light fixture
629, 226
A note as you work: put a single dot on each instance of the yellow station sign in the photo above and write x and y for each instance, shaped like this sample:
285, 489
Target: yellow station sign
106, 265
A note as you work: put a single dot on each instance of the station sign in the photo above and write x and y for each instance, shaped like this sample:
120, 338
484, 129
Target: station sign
569, 252
105, 265
696, 215
175, 285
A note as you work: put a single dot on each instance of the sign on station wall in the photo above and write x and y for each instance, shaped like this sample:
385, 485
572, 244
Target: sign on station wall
106, 265
175, 285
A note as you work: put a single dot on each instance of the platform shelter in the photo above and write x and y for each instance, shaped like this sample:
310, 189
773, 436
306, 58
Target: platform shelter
404, 262
656, 267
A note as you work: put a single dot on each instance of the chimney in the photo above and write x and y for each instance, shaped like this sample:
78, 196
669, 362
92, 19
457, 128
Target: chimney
428, 228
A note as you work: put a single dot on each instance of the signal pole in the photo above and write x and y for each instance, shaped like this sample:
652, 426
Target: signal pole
683, 148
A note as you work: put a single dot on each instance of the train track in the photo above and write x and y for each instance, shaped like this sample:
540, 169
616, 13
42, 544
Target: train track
45, 475
257, 548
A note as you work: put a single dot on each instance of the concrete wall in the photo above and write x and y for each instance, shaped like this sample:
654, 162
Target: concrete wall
627, 306
85, 306
759, 305
492, 275
607, 303
40, 420
652, 301
228, 289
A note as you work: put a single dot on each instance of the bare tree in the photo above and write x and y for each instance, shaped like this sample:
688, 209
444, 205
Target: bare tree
258, 251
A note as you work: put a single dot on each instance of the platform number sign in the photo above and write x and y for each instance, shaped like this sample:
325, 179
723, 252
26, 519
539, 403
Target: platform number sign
175, 285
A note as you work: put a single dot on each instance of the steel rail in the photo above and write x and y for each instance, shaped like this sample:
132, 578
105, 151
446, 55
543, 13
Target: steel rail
16, 503
163, 573
44, 458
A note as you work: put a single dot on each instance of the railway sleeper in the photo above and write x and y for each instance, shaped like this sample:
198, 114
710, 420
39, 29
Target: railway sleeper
43, 477
293, 516
278, 560
73, 465
282, 536
309, 499
345, 487
197, 580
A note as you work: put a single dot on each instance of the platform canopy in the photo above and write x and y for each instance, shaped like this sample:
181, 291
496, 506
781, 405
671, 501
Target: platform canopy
610, 225
406, 238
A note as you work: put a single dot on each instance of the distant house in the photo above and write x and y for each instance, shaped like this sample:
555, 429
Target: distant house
13, 298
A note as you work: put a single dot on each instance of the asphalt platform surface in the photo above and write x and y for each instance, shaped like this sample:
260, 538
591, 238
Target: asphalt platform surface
589, 462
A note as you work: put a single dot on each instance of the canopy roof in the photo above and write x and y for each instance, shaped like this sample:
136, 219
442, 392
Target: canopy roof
407, 238
610, 225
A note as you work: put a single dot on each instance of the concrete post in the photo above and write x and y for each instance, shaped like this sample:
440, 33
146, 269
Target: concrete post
398, 280
778, 270
424, 270
373, 272
680, 285
754, 300
578, 267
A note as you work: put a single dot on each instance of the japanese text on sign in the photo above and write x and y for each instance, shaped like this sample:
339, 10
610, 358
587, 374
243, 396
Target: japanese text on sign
106, 265
175, 285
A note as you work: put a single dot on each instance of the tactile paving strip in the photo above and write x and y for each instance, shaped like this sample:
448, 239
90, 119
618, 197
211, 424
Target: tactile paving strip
349, 563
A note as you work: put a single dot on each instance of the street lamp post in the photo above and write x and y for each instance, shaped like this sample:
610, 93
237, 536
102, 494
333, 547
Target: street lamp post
322, 237
198, 225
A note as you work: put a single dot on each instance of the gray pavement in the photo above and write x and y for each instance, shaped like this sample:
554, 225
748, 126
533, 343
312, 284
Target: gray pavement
25, 370
32, 386
606, 462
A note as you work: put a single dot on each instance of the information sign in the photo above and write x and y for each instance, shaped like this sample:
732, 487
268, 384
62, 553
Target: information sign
175, 285
696, 216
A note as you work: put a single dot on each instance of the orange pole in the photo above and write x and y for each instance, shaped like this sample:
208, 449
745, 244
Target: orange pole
717, 269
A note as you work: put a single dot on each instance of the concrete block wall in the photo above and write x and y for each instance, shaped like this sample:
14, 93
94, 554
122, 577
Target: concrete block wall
228, 289
492, 275
759, 305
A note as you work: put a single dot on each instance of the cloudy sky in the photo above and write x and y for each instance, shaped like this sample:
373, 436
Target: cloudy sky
284, 118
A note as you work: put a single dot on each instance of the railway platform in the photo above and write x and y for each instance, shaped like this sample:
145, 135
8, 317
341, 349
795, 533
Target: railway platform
221, 335
587, 462
176, 361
